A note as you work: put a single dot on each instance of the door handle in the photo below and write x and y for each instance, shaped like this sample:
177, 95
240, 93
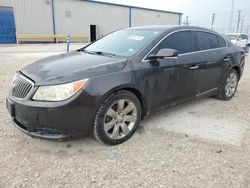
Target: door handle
226, 59
194, 67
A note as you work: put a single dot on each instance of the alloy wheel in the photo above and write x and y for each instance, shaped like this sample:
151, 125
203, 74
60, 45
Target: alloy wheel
120, 119
231, 84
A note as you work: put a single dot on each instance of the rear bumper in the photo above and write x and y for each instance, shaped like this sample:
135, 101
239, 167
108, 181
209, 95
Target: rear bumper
54, 120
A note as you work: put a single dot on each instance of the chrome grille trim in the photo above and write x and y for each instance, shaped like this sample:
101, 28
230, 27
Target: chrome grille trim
22, 87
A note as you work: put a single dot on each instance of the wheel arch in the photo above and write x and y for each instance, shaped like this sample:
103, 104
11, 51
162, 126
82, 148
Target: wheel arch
133, 89
239, 63
238, 69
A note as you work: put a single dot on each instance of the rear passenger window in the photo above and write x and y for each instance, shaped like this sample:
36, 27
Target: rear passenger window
206, 41
181, 41
221, 42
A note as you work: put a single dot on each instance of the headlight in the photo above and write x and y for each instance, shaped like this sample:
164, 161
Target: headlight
58, 92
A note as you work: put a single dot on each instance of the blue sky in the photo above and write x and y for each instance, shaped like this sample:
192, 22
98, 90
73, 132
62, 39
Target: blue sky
199, 11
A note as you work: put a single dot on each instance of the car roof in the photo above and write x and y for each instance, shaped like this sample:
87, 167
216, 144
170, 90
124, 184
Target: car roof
172, 28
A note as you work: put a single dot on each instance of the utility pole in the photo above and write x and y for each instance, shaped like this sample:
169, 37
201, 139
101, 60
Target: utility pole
187, 23
230, 25
242, 24
238, 23
213, 19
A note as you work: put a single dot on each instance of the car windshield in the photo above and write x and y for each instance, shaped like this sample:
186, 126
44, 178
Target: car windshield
232, 37
124, 43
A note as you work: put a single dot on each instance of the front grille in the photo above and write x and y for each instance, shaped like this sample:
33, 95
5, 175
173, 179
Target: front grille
21, 87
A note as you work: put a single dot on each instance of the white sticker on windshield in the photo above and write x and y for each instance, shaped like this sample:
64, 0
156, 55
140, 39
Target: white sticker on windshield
136, 37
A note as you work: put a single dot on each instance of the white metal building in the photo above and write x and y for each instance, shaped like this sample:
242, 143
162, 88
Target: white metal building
43, 18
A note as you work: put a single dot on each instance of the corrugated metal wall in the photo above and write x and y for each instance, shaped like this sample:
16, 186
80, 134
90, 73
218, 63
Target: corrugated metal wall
142, 17
7, 3
33, 17
76, 16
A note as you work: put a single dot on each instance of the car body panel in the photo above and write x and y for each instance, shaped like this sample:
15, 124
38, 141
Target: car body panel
157, 83
71, 67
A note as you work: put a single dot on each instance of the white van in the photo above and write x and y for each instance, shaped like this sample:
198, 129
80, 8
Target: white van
239, 39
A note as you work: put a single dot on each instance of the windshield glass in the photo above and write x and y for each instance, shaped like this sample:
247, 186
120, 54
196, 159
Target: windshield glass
124, 43
232, 37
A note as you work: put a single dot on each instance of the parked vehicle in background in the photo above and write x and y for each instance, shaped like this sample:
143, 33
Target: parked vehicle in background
239, 39
107, 87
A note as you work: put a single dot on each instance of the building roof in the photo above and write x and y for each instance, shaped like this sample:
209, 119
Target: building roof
129, 6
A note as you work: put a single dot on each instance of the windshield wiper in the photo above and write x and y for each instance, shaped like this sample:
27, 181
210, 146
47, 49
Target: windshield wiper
105, 53
99, 53
88, 52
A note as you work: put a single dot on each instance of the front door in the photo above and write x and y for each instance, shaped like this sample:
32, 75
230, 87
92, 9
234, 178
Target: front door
172, 81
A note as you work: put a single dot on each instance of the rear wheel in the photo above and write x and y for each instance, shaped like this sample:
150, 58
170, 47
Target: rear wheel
117, 118
229, 87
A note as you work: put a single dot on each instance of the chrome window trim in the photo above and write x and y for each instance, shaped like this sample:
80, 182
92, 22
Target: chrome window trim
28, 80
144, 59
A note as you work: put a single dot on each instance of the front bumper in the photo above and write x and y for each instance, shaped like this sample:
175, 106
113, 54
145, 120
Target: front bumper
46, 134
54, 120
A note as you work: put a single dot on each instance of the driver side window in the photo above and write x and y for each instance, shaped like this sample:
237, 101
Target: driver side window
181, 41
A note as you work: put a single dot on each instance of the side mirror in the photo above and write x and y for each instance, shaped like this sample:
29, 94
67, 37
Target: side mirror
239, 39
164, 53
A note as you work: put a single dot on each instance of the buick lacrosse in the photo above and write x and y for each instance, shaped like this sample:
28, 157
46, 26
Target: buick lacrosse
107, 87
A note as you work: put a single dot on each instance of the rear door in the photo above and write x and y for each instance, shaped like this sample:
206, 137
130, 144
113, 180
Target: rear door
212, 57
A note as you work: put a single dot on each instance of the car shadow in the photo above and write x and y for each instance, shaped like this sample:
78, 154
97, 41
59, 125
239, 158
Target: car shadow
203, 118
190, 119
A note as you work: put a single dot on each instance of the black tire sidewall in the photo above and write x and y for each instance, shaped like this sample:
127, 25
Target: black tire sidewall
98, 130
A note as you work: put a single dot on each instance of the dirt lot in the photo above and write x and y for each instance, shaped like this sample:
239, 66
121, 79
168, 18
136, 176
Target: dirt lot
200, 144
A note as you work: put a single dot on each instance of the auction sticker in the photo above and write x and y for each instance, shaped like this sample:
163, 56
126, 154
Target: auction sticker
136, 37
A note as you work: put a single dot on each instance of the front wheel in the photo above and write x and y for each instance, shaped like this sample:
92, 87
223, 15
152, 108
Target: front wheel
117, 118
229, 87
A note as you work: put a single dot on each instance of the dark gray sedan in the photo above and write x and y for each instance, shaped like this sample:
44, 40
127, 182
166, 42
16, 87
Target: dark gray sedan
107, 87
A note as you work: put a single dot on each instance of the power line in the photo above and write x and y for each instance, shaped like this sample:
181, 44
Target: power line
218, 21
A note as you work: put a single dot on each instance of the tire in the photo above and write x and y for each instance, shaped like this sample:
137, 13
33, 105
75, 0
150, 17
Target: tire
117, 118
230, 84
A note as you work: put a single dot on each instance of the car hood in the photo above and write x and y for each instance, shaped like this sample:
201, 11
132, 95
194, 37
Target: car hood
71, 67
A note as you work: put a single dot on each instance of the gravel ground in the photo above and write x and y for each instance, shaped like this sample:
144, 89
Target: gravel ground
200, 144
